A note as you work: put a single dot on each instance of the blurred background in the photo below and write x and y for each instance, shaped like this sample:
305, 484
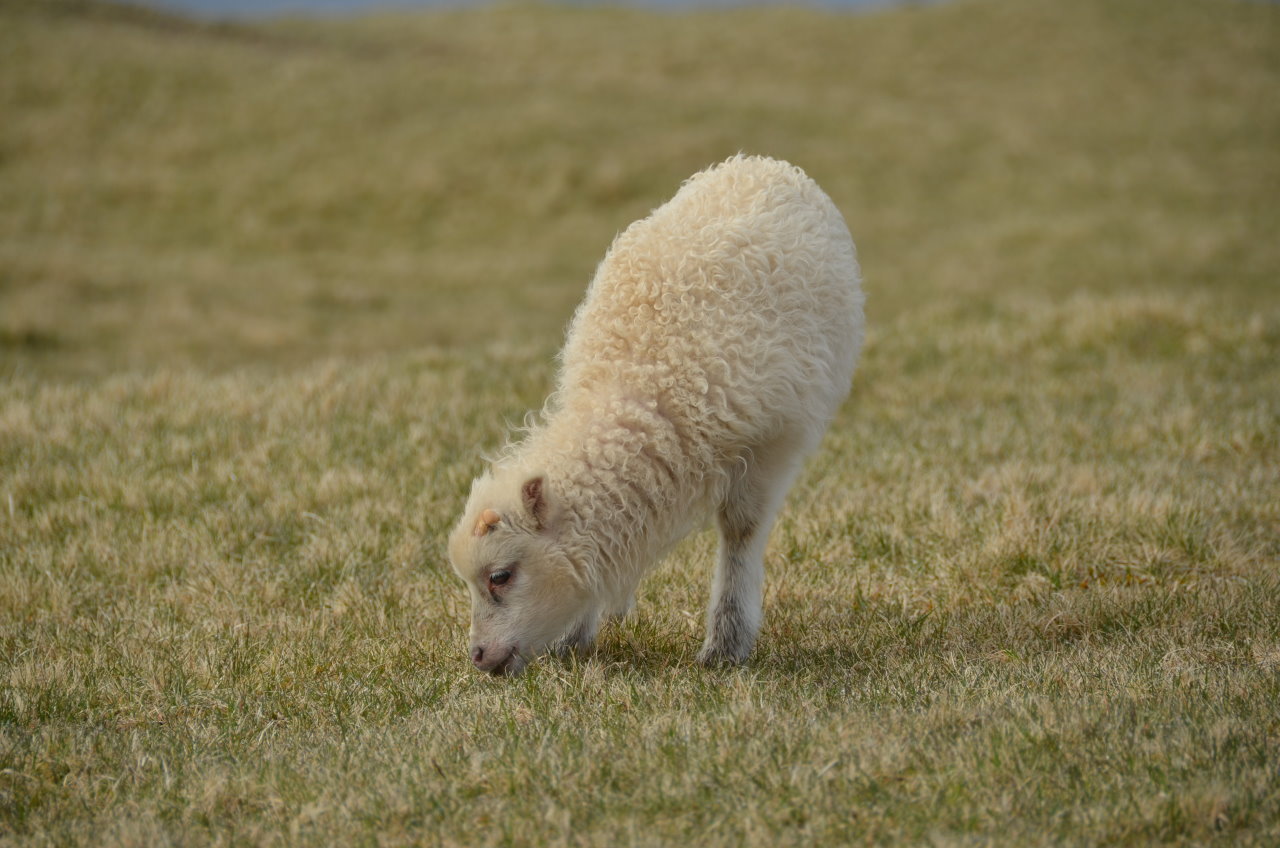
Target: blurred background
270, 8
221, 191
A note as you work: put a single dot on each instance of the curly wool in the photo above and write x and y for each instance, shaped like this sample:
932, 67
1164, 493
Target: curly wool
729, 318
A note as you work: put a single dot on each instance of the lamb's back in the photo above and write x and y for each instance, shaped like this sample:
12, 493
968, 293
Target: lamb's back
732, 305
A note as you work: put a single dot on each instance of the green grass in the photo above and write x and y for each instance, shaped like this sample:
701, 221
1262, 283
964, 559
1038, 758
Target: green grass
268, 291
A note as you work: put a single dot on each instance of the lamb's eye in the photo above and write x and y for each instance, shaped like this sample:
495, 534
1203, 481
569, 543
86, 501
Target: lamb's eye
498, 578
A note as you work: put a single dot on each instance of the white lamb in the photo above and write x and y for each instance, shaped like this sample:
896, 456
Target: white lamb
715, 344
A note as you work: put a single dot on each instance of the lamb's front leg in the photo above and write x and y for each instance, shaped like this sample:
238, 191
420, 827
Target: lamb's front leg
622, 610
583, 635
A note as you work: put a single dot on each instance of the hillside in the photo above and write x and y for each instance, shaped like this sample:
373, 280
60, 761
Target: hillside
231, 195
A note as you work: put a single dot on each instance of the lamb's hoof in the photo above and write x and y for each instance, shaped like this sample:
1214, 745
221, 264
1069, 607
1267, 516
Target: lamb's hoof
717, 657
580, 648
566, 650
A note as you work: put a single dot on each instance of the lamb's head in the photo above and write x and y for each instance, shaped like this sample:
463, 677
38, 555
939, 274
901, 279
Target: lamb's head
525, 592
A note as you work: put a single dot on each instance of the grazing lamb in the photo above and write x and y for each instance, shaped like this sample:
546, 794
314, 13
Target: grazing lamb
715, 344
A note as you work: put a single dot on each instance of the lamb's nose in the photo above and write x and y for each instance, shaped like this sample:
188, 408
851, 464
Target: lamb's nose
477, 655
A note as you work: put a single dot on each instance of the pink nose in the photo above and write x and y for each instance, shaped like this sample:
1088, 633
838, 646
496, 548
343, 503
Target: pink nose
490, 659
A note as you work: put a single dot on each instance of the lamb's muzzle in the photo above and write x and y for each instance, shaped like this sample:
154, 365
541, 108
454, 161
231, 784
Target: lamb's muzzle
496, 662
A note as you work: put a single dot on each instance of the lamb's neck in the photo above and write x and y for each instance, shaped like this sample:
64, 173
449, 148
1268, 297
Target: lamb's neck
623, 490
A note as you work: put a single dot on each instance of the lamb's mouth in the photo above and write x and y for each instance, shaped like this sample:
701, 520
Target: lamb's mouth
510, 665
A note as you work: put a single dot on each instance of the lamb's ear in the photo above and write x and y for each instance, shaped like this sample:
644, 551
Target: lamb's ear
535, 501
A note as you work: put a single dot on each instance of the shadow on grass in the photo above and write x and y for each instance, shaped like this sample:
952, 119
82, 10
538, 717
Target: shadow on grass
799, 643
874, 637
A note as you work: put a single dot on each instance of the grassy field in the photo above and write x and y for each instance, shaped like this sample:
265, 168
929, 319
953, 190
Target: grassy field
267, 291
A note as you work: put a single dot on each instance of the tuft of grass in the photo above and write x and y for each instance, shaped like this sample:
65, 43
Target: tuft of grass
268, 291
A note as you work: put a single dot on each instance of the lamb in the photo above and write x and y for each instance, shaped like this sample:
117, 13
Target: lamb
714, 346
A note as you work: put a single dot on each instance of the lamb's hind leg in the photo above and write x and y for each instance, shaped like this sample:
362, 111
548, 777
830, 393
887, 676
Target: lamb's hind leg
745, 518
